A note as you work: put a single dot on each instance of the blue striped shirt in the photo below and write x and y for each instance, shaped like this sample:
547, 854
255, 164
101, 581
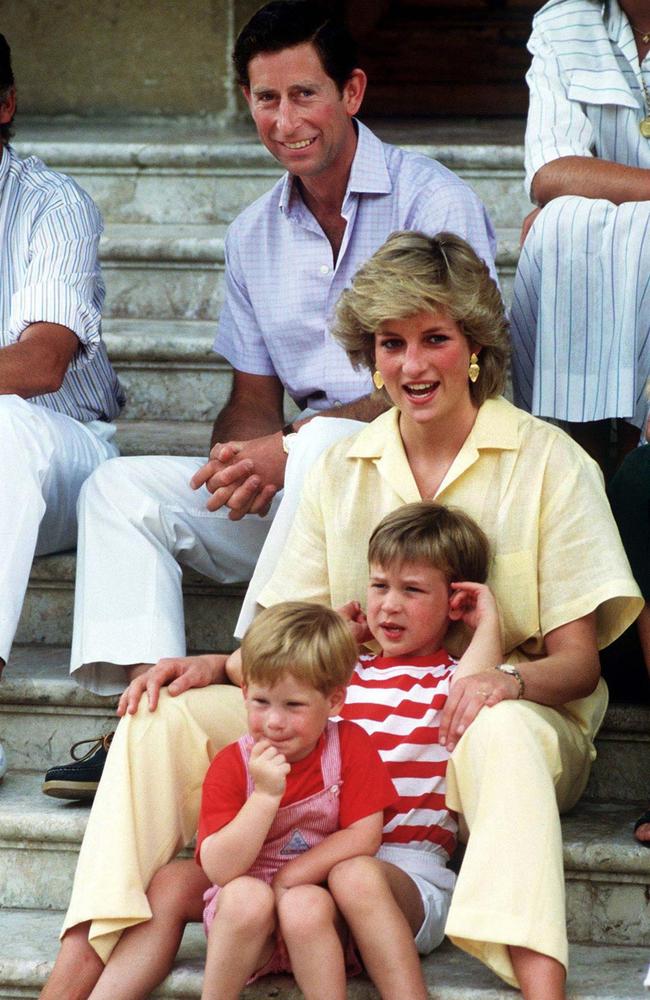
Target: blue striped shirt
586, 97
282, 284
49, 273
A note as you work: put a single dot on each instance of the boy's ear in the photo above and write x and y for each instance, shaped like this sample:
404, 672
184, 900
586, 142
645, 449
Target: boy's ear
455, 614
336, 700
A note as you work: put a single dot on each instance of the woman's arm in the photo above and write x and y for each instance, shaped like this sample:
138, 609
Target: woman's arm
569, 670
474, 604
313, 867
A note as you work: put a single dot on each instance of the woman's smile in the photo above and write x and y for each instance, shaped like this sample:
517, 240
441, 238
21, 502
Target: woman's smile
424, 362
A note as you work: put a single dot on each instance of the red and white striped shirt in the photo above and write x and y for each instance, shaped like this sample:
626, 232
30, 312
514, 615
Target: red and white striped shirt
399, 705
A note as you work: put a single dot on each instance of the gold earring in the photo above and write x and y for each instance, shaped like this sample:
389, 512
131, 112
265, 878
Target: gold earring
378, 379
474, 369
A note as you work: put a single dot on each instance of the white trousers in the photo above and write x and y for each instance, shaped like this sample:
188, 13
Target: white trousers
580, 320
139, 521
44, 459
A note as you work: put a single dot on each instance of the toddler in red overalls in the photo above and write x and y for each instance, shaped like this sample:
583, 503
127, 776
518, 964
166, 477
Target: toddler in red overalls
297, 795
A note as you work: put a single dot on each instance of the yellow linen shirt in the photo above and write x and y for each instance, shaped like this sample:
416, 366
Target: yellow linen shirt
556, 551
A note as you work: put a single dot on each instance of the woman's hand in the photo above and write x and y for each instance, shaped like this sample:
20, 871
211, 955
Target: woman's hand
357, 621
178, 674
466, 699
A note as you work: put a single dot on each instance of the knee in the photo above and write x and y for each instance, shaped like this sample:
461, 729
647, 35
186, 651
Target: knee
304, 911
175, 889
110, 483
356, 883
247, 906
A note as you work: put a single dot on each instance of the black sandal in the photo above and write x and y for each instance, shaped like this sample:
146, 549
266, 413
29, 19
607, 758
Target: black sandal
641, 821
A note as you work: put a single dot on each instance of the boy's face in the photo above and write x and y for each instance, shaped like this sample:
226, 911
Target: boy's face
290, 715
408, 608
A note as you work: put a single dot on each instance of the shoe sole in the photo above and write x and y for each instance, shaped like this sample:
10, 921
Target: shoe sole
80, 790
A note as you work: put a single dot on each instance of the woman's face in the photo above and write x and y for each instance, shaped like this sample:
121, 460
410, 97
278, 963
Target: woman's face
424, 360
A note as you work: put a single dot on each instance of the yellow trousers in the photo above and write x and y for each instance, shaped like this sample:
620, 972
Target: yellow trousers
515, 764
515, 767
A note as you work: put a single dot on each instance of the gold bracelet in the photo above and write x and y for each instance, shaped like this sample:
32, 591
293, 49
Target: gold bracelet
507, 668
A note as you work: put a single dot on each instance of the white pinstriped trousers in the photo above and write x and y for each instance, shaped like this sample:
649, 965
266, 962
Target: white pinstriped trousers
580, 318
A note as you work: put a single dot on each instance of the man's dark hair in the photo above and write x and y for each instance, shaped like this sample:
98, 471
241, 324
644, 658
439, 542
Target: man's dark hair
6, 83
282, 24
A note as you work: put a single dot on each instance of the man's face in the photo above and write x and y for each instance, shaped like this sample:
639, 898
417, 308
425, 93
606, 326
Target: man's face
301, 117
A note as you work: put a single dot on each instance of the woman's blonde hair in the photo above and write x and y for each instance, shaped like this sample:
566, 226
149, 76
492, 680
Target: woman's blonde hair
308, 641
413, 273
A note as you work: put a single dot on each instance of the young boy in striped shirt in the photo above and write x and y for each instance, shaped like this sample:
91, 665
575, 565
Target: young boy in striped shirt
427, 566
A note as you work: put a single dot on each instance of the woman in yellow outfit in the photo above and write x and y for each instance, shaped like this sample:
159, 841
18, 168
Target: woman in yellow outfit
425, 315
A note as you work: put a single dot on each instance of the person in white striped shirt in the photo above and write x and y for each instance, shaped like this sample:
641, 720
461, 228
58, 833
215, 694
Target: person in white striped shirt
58, 392
581, 309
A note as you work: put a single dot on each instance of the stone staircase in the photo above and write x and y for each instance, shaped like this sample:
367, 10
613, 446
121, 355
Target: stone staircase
167, 196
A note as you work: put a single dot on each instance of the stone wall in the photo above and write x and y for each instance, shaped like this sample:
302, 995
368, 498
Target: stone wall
126, 58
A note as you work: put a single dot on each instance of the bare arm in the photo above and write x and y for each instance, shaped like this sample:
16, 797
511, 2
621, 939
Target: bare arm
590, 177
37, 363
247, 458
474, 604
569, 670
313, 867
231, 851
254, 408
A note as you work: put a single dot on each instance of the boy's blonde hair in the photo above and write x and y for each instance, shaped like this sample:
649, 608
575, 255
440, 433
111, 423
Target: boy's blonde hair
413, 273
308, 641
443, 537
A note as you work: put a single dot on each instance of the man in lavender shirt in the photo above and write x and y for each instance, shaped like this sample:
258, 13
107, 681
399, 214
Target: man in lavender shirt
288, 257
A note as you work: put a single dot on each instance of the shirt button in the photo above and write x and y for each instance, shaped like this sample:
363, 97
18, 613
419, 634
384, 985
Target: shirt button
324, 269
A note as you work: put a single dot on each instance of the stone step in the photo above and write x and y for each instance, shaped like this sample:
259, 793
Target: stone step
43, 712
168, 369
597, 972
211, 610
607, 871
173, 271
192, 173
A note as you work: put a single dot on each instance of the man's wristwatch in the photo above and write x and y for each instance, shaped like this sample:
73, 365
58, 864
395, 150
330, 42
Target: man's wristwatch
288, 434
507, 668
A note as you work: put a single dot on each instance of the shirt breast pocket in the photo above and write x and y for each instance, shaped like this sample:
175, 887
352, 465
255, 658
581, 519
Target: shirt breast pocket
513, 579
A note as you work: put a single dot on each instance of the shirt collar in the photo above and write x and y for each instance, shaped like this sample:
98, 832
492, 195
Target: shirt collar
496, 427
368, 174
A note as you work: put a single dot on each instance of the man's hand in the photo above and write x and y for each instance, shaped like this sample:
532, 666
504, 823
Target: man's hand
466, 699
243, 475
269, 769
178, 674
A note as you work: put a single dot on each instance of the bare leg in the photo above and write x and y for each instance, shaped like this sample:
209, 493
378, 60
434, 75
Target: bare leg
643, 628
241, 937
76, 969
383, 909
540, 976
312, 929
146, 952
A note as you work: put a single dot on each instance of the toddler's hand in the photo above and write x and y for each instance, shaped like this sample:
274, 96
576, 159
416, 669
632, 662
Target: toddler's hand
473, 604
269, 769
